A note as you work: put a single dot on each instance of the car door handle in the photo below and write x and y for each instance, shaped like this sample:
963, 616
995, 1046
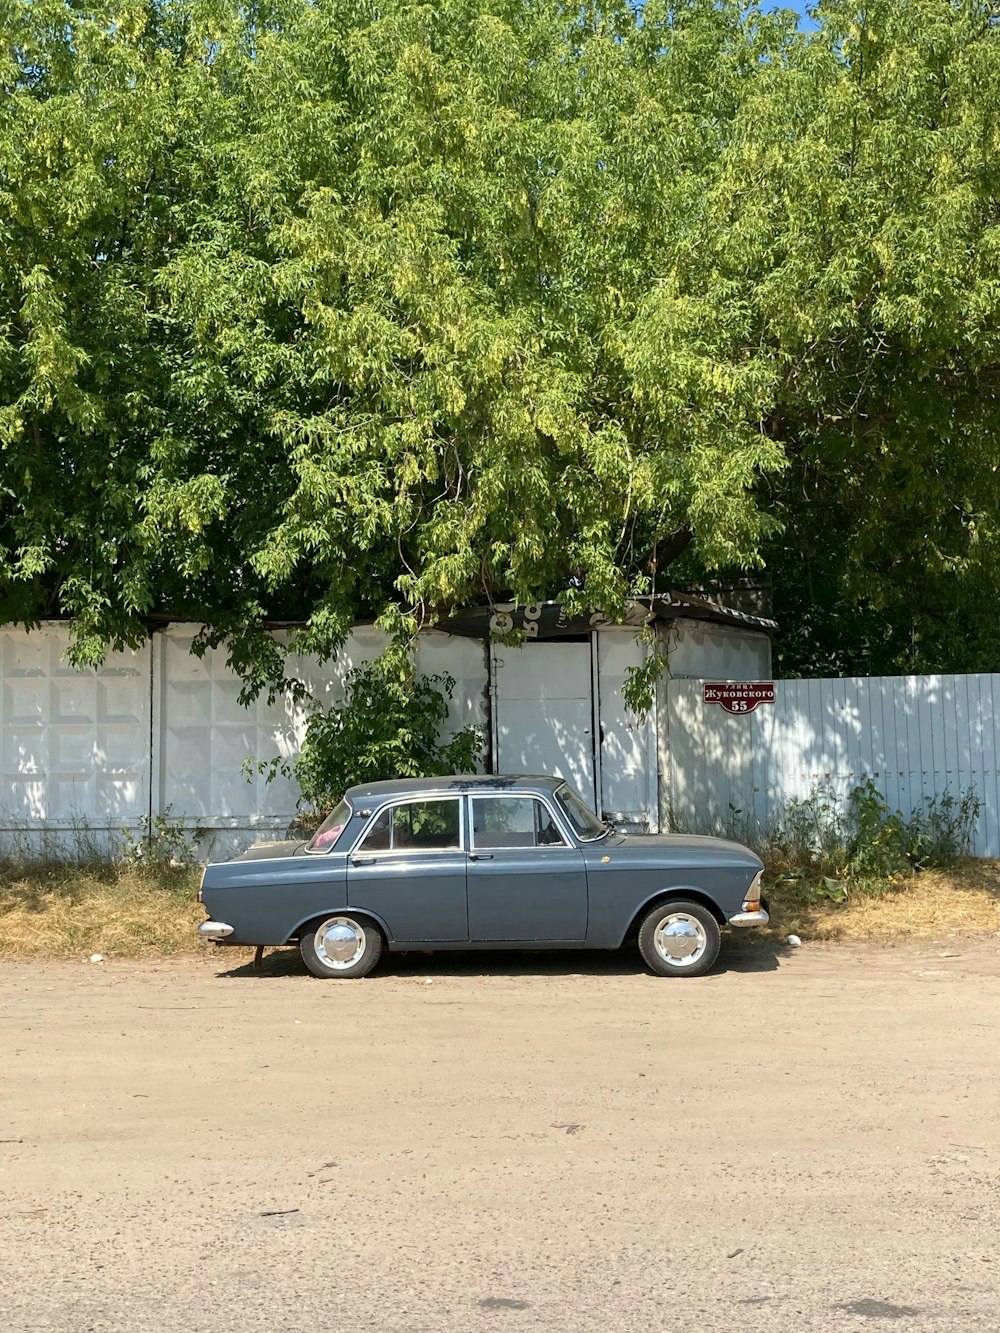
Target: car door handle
362, 860
480, 856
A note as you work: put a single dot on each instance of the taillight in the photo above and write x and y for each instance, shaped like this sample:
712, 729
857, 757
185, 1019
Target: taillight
752, 900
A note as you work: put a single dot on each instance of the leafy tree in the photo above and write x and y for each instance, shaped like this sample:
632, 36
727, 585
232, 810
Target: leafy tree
875, 250
316, 311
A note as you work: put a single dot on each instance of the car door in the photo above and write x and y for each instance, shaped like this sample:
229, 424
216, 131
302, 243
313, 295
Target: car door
409, 869
526, 882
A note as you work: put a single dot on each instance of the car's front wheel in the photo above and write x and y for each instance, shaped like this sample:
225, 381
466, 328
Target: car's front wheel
679, 939
341, 946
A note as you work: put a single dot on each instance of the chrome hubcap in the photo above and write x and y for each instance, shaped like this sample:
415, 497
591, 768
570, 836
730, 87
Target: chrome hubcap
340, 943
680, 939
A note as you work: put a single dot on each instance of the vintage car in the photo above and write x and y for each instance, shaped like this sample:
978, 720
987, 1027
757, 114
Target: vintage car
482, 863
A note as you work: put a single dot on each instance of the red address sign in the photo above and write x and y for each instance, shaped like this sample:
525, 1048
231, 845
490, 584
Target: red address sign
740, 696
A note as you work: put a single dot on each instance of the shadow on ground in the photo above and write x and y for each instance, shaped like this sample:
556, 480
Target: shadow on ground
739, 955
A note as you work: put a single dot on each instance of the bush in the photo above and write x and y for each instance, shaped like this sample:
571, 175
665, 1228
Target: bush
941, 833
163, 841
388, 726
863, 846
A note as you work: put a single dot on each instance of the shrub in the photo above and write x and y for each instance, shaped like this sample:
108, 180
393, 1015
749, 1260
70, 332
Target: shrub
163, 841
388, 726
862, 845
942, 831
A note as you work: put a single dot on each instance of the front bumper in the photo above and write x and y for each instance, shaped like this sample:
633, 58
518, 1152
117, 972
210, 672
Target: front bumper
215, 930
758, 918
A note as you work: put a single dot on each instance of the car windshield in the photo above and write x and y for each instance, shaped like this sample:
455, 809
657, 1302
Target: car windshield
330, 830
585, 823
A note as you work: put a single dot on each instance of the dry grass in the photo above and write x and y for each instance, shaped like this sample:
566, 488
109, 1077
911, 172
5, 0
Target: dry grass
964, 900
62, 911
56, 910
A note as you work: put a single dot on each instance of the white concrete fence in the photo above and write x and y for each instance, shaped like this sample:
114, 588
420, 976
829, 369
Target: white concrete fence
159, 732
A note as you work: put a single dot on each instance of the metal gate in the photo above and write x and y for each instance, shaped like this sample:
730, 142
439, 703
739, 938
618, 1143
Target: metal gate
558, 709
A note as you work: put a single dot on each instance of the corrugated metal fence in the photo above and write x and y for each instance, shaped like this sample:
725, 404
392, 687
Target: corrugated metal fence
914, 736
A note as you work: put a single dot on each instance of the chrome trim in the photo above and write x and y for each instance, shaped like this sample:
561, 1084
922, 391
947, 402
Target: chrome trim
568, 842
359, 857
585, 842
215, 930
758, 918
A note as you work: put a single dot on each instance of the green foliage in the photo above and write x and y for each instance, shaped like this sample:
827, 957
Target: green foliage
319, 310
942, 831
163, 842
878, 837
639, 689
388, 726
812, 829
862, 846
885, 273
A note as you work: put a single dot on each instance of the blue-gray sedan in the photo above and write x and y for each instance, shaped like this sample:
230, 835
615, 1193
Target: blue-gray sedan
482, 863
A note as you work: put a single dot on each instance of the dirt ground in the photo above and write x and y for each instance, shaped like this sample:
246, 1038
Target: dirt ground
805, 1139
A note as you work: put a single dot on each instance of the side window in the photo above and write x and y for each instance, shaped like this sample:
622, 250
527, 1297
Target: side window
513, 821
419, 826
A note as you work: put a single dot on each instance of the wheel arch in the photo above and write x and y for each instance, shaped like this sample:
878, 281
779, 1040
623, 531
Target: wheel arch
314, 918
682, 893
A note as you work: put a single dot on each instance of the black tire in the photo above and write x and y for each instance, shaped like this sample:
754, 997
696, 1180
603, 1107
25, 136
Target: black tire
694, 929
325, 946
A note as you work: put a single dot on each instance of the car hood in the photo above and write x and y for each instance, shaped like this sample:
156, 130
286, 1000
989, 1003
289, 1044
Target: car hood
686, 847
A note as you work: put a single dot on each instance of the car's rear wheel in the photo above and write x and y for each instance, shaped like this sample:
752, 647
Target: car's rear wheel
340, 946
679, 939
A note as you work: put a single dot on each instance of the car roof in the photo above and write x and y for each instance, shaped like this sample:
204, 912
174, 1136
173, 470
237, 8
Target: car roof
453, 783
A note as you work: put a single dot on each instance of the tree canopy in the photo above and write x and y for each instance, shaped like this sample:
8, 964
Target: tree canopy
314, 310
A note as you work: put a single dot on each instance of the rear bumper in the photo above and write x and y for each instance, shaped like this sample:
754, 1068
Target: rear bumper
215, 930
758, 918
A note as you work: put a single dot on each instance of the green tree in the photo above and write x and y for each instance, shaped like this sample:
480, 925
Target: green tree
318, 311
873, 164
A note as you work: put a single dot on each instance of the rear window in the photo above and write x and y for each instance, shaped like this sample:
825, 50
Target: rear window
330, 830
417, 826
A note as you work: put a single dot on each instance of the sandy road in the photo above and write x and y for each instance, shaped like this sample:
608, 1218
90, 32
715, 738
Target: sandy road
807, 1140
